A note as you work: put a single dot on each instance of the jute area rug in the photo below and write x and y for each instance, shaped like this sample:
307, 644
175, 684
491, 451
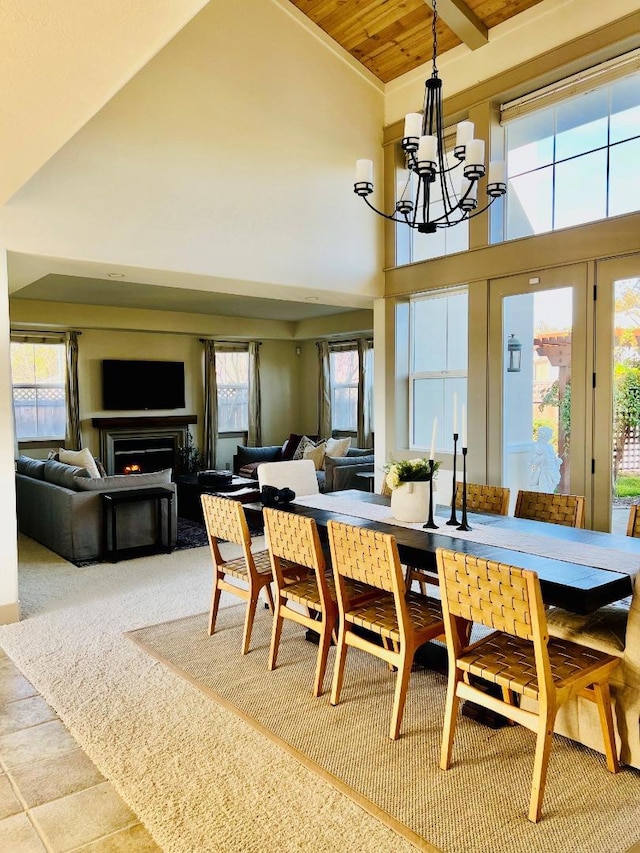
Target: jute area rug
480, 804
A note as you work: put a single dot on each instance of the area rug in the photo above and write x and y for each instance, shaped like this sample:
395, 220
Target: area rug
480, 804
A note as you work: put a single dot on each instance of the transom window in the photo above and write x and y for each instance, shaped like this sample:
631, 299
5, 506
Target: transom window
232, 379
438, 366
574, 161
38, 373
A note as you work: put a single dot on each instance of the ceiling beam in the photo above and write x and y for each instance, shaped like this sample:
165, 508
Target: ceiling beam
463, 21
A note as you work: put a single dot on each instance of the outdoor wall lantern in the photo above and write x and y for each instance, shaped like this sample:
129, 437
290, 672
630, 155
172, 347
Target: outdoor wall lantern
514, 348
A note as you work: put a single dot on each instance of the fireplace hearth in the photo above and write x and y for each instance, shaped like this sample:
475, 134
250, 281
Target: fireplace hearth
142, 444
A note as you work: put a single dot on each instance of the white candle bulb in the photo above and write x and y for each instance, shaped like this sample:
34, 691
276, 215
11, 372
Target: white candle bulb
497, 172
428, 149
464, 425
474, 155
464, 132
433, 438
364, 171
404, 191
455, 412
413, 124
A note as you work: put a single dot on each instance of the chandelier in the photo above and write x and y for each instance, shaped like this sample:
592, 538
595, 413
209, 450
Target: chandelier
436, 193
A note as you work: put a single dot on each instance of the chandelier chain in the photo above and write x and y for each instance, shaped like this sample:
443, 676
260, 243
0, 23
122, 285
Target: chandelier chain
434, 32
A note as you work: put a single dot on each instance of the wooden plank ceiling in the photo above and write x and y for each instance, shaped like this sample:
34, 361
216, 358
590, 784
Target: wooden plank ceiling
391, 37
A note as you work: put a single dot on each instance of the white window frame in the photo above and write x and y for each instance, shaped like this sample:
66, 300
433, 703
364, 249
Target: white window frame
334, 349
221, 352
56, 389
444, 435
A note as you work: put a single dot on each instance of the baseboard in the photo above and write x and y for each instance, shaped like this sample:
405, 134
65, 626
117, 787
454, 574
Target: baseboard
9, 613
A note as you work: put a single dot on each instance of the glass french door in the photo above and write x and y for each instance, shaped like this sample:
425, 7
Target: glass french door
616, 430
539, 393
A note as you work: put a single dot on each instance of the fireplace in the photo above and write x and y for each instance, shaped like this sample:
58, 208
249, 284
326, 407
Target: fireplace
143, 444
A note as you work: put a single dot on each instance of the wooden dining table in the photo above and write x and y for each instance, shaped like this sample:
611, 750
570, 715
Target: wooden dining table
566, 582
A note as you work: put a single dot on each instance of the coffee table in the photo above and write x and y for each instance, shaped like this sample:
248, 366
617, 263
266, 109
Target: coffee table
189, 491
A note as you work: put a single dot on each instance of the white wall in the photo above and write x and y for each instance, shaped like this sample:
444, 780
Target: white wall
231, 154
9, 607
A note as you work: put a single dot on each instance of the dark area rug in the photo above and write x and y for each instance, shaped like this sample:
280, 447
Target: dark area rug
190, 534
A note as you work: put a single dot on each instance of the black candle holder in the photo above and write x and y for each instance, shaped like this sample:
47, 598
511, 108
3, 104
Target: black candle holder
453, 519
431, 525
464, 524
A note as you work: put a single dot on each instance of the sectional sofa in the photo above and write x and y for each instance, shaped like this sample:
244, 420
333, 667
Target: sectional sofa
60, 506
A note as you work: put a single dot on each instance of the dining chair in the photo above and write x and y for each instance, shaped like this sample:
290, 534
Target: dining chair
225, 520
557, 509
402, 619
295, 538
518, 656
296, 474
633, 525
483, 498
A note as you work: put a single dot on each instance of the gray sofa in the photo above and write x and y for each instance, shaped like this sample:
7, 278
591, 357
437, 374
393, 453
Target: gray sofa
339, 471
60, 506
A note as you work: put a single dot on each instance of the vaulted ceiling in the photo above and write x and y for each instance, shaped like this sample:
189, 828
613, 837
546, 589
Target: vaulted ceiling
391, 37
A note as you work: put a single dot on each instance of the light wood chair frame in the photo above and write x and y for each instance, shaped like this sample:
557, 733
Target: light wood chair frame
557, 509
404, 620
484, 498
294, 539
225, 520
518, 656
633, 525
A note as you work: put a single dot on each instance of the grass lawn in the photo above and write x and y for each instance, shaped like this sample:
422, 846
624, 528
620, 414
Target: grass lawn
628, 486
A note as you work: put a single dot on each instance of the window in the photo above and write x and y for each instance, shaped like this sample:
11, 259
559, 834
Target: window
38, 372
574, 161
438, 366
413, 246
343, 368
232, 378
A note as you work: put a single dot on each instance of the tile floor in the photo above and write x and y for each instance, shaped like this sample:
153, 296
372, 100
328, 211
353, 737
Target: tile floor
52, 797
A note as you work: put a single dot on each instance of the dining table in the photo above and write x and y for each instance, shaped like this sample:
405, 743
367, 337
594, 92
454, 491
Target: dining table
579, 570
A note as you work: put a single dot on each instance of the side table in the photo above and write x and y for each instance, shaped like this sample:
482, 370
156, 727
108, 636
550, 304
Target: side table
110, 503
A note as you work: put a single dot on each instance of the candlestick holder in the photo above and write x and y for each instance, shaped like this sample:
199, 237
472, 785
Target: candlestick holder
430, 525
464, 525
453, 519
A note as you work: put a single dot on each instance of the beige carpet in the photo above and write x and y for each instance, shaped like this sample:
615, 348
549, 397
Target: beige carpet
202, 779
478, 805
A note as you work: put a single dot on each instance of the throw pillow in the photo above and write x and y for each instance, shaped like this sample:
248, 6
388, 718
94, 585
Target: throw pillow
305, 442
30, 467
65, 475
82, 458
290, 446
316, 454
338, 446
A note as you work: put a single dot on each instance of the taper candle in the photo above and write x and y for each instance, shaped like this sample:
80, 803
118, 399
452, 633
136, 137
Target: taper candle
464, 425
433, 438
455, 412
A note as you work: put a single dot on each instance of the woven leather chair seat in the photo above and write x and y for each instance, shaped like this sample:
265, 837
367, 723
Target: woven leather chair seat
380, 614
510, 662
238, 568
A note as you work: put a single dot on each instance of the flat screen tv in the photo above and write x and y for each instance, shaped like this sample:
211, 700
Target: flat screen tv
134, 384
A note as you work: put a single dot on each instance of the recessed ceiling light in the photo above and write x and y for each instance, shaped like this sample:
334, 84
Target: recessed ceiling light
115, 274
311, 298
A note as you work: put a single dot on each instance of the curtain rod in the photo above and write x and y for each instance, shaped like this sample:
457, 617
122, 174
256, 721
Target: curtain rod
346, 340
38, 333
218, 341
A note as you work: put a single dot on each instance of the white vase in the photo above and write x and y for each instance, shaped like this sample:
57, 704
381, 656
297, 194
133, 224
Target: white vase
410, 501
